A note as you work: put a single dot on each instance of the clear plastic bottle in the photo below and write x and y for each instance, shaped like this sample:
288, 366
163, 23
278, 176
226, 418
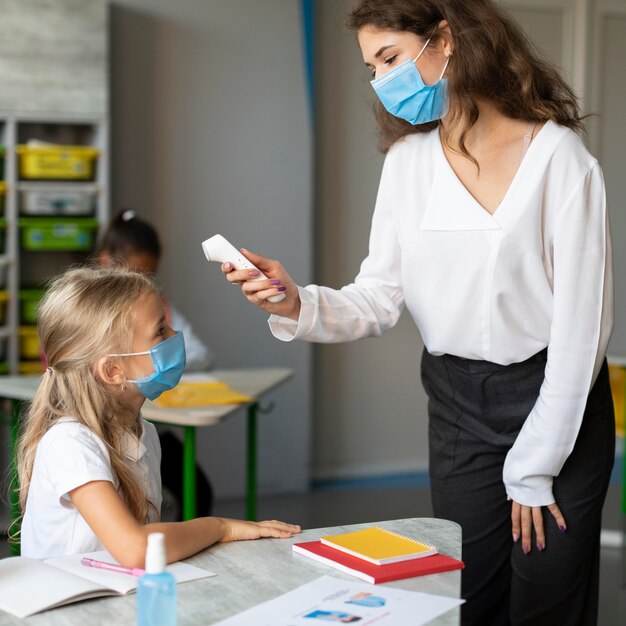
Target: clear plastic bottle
156, 591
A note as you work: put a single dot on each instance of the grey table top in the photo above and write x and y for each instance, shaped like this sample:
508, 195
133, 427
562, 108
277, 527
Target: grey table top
251, 572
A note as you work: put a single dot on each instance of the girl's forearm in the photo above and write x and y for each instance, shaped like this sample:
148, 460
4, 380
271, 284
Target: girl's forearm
182, 539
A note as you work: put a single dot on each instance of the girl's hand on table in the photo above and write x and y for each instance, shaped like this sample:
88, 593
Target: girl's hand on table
239, 530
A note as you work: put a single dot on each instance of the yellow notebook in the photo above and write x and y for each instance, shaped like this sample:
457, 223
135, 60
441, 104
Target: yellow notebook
200, 394
379, 546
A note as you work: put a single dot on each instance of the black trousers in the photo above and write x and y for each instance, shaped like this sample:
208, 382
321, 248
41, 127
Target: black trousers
476, 409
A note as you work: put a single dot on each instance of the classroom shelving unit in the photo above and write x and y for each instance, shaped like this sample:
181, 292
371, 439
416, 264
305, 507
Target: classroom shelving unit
27, 260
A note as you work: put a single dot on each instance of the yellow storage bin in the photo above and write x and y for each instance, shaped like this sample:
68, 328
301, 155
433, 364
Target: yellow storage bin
617, 376
29, 343
3, 195
57, 162
4, 298
30, 367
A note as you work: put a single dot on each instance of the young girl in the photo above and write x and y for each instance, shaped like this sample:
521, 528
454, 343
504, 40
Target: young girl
88, 464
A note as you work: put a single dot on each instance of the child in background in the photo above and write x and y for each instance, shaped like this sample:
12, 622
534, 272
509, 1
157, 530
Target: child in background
132, 243
88, 464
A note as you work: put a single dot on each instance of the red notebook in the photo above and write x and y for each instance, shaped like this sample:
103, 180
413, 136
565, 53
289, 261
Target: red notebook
376, 573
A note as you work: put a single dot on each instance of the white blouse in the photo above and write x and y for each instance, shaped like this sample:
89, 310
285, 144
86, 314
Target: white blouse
496, 287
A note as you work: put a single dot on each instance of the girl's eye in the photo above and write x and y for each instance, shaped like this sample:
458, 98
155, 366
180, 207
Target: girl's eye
161, 331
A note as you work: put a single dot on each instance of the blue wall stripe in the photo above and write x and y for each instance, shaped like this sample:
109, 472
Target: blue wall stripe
308, 32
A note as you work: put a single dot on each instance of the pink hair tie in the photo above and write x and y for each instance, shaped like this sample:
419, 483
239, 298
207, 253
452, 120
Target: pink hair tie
49, 370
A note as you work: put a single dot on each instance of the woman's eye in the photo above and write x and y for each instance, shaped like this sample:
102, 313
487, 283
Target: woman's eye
391, 59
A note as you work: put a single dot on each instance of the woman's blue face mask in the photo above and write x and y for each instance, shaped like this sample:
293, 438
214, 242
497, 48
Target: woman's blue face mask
168, 359
404, 94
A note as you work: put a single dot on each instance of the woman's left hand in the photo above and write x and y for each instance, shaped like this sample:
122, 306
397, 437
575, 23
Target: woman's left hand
523, 519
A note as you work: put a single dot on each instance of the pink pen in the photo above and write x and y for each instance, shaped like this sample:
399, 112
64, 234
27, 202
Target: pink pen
111, 567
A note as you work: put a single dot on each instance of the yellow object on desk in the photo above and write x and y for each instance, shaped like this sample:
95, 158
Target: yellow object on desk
201, 394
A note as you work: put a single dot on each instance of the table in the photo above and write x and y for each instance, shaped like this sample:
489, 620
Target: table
253, 382
251, 572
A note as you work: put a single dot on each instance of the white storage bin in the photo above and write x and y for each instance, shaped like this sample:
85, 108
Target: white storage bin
57, 202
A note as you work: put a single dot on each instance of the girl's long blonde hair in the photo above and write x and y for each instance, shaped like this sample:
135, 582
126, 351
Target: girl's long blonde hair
85, 315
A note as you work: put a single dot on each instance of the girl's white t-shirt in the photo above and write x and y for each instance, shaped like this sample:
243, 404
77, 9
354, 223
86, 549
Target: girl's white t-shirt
68, 456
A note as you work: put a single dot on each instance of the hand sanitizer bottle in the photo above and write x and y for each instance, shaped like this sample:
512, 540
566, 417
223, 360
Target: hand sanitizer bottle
156, 590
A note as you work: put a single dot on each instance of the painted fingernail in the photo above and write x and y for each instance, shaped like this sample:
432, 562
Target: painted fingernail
525, 549
227, 265
281, 288
540, 547
562, 529
253, 273
243, 250
515, 537
275, 282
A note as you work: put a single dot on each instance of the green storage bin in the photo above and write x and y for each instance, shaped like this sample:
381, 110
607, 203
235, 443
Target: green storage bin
4, 368
49, 234
29, 299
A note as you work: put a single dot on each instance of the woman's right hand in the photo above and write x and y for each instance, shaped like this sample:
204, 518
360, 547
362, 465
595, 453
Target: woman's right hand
258, 291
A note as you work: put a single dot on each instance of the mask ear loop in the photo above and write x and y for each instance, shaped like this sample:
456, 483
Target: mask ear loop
445, 67
419, 54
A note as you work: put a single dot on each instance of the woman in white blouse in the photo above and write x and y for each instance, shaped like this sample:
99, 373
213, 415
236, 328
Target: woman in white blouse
491, 227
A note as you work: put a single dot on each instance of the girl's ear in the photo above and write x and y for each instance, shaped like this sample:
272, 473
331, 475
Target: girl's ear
110, 373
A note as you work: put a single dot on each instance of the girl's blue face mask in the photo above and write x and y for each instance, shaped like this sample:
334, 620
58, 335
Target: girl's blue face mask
404, 94
168, 359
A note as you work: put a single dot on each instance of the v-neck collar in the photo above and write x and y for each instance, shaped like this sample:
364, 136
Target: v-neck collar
452, 207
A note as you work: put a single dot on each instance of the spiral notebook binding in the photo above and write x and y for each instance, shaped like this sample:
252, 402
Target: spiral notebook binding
421, 544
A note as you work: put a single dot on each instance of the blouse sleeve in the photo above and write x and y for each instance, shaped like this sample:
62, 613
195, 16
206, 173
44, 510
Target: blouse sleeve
582, 320
368, 306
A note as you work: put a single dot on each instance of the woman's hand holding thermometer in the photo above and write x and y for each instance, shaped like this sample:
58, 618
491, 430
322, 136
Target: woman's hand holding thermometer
263, 281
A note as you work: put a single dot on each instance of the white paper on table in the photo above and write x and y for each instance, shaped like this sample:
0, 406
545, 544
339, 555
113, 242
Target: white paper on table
329, 599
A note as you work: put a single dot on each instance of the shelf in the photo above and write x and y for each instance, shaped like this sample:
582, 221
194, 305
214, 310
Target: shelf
31, 256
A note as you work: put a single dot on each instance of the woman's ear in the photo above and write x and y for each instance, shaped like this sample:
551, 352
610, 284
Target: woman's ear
109, 372
447, 41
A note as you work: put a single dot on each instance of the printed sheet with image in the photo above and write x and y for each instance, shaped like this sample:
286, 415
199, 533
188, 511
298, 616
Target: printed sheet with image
329, 600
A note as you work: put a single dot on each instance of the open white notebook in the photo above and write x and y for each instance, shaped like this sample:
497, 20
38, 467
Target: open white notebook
29, 586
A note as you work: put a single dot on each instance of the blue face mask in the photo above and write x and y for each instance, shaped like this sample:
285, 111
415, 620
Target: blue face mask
168, 359
404, 94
